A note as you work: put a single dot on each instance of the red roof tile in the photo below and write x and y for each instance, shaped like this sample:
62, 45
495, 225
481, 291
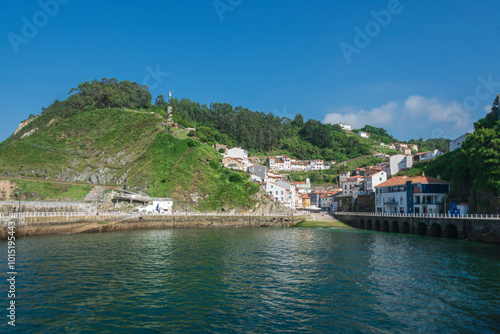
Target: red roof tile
401, 180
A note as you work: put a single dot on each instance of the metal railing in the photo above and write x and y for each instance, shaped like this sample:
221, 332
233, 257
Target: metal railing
108, 214
48, 204
422, 215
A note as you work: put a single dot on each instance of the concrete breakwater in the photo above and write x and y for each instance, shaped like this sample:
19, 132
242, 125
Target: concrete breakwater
25, 226
480, 229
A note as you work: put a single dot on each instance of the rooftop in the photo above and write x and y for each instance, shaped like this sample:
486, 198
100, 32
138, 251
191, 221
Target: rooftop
401, 180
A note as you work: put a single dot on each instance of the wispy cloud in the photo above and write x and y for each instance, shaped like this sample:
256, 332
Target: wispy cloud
416, 117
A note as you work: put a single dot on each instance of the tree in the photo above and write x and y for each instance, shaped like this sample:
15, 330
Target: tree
298, 121
160, 101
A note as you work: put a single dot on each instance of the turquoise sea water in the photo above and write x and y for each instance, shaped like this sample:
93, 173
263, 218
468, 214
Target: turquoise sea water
294, 280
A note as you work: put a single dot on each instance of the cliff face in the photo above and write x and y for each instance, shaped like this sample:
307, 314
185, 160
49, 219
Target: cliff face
23, 124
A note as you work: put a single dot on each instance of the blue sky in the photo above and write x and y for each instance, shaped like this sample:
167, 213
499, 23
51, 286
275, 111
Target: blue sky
424, 69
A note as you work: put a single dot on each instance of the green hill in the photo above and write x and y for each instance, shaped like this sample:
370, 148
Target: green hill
124, 147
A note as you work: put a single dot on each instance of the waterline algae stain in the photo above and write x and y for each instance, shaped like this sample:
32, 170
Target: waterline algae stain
255, 280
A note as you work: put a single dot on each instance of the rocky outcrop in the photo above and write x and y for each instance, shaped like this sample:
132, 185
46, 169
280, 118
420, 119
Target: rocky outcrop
7, 189
23, 124
29, 133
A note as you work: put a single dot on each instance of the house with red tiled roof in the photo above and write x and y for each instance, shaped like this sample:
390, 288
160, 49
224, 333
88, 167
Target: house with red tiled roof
306, 201
420, 194
373, 179
396, 163
233, 163
350, 185
423, 156
303, 187
327, 200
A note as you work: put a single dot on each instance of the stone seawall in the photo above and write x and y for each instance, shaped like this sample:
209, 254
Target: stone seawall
480, 230
79, 224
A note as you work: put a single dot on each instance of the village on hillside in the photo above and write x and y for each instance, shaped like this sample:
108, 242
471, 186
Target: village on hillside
368, 189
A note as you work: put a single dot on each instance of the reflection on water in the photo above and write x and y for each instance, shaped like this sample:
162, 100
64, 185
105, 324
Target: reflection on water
256, 281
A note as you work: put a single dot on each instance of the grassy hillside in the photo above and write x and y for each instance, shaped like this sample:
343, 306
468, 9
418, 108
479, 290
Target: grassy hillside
120, 147
191, 171
88, 140
46, 190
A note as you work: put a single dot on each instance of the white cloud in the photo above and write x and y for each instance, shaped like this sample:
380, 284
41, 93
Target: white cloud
380, 116
416, 117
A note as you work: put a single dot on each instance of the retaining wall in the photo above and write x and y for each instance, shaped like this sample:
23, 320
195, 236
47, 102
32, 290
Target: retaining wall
25, 226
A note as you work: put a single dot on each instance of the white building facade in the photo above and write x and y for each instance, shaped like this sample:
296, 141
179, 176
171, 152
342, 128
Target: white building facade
373, 180
403, 194
240, 153
346, 127
290, 187
457, 143
396, 163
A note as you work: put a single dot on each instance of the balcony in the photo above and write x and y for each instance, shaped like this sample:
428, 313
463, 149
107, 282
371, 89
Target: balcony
391, 202
429, 203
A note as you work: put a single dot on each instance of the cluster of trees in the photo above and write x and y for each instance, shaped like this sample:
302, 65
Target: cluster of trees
378, 134
441, 144
111, 93
261, 132
482, 149
106, 93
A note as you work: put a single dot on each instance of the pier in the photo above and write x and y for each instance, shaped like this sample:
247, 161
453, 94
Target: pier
481, 228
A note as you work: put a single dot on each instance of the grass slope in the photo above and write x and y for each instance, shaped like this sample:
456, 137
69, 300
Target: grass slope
84, 140
190, 171
43, 190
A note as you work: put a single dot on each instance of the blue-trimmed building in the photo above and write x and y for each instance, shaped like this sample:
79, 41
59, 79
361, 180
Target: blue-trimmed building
403, 194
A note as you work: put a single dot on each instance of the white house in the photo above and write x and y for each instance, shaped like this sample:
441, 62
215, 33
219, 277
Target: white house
396, 163
290, 187
327, 200
349, 185
279, 193
286, 162
316, 164
240, 153
403, 194
423, 156
303, 187
345, 126
373, 180
299, 166
457, 143
363, 134
279, 163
